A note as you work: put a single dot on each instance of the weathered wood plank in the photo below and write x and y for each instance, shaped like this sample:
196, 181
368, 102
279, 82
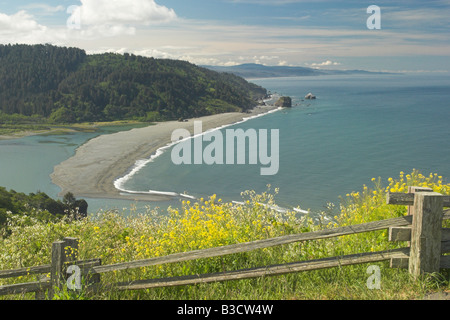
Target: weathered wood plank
445, 247
445, 262
414, 189
260, 244
25, 271
445, 236
266, 271
70, 248
426, 233
407, 199
25, 287
397, 198
86, 266
57, 273
399, 263
87, 271
399, 233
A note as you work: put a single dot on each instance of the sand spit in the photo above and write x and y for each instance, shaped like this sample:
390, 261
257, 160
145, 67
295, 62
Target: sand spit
97, 164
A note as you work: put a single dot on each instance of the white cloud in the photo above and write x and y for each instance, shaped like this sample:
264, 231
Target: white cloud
123, 26
108, 18
92, 20
21, 27
272, 2
19, 22
122, 12
43, 9
325, 64
265, 59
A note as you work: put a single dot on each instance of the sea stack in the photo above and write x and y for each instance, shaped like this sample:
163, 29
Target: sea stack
310, 96
284, 102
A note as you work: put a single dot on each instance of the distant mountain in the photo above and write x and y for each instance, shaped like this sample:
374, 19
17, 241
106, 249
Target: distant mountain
253, 70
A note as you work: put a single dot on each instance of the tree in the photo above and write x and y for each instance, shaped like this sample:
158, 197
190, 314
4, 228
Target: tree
81, 206
69, 199
64, 85
62, 115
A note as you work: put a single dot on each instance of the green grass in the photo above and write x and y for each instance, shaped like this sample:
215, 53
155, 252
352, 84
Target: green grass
19, 130
127, 236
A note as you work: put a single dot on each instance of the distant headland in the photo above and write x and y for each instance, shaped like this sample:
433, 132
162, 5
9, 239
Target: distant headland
253, 70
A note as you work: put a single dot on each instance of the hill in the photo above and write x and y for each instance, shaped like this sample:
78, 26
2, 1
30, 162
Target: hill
42, 207
66, 85
252, 70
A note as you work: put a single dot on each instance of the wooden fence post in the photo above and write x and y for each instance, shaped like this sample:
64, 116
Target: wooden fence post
412, 189
62, 251
425, 252
56, 274
71, 249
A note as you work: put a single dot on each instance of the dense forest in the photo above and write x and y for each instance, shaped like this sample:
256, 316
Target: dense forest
65, 85
40, 206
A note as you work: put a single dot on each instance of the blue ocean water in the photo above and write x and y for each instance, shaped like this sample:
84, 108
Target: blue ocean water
359, 127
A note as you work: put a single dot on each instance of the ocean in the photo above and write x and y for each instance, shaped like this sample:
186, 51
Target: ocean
359, 127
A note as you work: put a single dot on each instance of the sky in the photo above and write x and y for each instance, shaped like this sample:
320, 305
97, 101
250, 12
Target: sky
412, 35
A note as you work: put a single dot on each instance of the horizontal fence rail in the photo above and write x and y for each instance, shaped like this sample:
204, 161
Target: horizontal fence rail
22, 288
25, 271
407, 199
423, 204
259, 244
266, 271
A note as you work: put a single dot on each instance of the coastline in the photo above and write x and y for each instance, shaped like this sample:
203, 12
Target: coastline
63, 129
96, 166
28, 133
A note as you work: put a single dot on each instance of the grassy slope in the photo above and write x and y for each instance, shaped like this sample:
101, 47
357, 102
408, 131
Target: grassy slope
210, 223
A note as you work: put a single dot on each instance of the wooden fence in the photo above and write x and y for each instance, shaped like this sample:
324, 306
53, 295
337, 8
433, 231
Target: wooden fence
422, 229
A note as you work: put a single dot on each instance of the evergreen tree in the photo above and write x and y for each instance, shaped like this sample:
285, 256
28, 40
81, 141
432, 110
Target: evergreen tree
65, 85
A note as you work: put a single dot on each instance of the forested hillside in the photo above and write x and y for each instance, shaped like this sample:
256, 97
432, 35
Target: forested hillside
39, 205
65, 85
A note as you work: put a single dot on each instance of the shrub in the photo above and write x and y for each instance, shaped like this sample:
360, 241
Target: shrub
116, 237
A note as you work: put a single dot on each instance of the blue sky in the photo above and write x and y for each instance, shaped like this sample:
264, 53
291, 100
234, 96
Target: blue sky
414, 35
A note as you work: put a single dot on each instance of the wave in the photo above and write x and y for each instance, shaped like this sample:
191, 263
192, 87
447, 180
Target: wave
277, 208
139, 164
174, 195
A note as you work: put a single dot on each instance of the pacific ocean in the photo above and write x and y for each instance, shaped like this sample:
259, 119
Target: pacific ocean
359, 127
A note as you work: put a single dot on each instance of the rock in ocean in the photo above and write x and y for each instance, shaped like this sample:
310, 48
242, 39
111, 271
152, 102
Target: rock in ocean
310, 96
284, 102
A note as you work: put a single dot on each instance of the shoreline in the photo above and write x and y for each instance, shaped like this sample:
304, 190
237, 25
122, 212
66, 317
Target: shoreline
96, 166
63, 129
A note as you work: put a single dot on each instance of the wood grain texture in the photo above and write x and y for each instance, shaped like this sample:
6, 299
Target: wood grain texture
25, 287
266, 271
25, 271
399, 233
426, 233
407, 199
260, 244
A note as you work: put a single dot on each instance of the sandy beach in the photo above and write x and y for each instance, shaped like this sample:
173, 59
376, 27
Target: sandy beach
97, 164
